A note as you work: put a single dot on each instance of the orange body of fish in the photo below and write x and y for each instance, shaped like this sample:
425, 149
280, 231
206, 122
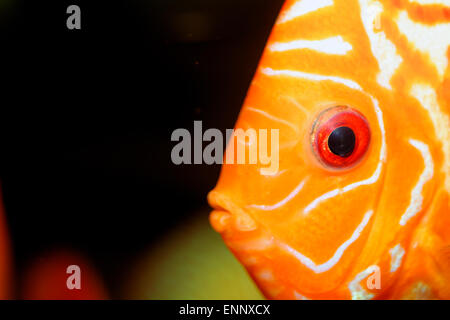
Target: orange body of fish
358, 206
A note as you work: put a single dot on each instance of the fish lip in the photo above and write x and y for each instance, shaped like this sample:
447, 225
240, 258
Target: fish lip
226, 214
222, 203
215, 200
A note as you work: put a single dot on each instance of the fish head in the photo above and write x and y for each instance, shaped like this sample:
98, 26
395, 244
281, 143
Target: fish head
347, 111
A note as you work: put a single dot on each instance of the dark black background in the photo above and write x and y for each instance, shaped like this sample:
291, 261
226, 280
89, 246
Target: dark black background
86, 116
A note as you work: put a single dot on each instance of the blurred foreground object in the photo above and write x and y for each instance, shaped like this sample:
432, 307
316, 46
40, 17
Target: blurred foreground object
5, 256
46, 278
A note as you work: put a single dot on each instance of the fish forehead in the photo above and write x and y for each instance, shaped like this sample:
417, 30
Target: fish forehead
368, 55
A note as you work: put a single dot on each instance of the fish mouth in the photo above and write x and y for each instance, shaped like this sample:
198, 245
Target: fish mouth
226, 215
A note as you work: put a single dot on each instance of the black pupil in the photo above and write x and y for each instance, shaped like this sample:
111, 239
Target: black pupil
342, 141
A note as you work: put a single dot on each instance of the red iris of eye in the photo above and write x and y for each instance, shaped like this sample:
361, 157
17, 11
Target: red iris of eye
340, 137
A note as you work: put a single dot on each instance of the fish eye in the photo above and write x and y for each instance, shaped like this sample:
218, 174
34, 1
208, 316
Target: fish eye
340, 137
342, 141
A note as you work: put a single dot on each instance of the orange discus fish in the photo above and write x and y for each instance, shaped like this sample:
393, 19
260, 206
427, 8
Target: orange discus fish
358, 207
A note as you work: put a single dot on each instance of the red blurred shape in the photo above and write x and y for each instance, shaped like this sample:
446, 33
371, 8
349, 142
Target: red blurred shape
47, 277
5, 258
